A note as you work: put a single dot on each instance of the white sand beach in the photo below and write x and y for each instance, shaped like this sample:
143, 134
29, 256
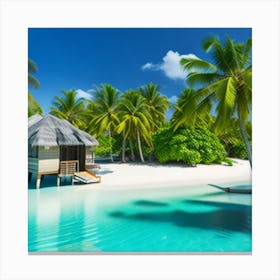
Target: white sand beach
137, 175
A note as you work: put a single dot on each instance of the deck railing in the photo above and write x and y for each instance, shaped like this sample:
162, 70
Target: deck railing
68, 168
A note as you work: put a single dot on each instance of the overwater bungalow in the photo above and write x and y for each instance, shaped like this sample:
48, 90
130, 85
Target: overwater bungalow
57, 147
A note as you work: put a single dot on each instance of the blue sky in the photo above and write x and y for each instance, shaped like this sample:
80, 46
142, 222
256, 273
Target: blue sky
80, 58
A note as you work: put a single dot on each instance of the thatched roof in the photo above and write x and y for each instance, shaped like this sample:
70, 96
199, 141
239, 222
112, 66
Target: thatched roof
33, 119
52, 131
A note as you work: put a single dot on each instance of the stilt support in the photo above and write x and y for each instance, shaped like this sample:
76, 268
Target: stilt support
29, 176
38, 181
58, 180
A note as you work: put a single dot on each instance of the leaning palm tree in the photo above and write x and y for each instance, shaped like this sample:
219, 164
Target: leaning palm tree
135, 120
227, 82
33, 105
103, 112
69, 107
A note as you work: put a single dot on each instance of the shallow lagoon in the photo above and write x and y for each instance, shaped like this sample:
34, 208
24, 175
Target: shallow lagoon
176, 219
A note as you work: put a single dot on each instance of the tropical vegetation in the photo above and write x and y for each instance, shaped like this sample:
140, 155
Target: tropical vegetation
69, 108
33, 105
136, 121
188, 145
227, 82
211, 119
103, 113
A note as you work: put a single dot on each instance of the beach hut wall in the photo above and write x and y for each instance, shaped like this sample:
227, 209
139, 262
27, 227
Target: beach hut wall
44, 160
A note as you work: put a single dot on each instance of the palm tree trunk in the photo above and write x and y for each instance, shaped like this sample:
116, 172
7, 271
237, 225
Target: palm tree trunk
110, 143
246, 140
151, 153
139, 146
132, 151
123, 147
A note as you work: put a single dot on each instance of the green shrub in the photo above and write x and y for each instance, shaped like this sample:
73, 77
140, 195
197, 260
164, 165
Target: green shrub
238, 150
104, 147
190, 146
228, 161
189, 156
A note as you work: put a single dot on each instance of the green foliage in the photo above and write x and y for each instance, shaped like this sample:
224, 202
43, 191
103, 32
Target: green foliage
156, 102
188, 145
103, 110
227, 83
232, 140
228, 161
69, 107
32, 68
33, 106
104, 148
238, 150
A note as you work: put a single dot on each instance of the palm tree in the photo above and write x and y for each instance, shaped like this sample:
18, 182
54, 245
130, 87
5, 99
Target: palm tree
103, 112
69, 107
227, 82
135, 120
33, 105
157, 104
181, 115
231, 136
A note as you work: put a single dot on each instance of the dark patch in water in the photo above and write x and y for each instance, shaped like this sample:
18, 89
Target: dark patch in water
224, 205
150, 203
228, 218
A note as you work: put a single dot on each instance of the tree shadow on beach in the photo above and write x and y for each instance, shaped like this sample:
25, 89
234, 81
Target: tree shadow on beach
159, 165
103, 171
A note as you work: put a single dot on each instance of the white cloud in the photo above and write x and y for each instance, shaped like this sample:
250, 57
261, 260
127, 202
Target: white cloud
149, 66
170, 65
83, 94
173, 99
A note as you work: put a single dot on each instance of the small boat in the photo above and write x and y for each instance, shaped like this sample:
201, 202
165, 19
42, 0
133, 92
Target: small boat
232, 189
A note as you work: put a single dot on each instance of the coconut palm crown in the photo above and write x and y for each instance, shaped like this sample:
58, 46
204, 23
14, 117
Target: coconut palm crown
69, 107
157, 103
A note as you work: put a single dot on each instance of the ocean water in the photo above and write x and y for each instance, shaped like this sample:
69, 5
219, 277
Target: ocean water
178, 219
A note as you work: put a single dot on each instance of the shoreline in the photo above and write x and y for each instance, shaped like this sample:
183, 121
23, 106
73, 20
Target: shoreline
152, 175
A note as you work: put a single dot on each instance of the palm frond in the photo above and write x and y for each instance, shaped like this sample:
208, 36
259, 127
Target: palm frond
32, 67
196, 64
203, 79
226, 93
33, 82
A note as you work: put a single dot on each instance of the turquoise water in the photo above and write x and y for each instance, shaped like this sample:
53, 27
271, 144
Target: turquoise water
177, 219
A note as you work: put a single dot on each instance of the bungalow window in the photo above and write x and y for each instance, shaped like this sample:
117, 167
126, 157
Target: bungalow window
89, 155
